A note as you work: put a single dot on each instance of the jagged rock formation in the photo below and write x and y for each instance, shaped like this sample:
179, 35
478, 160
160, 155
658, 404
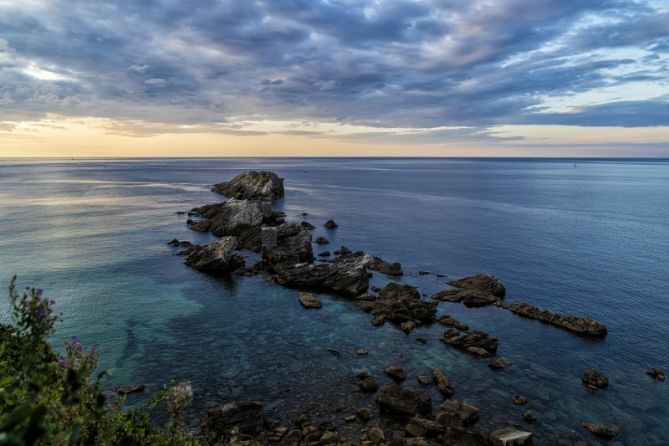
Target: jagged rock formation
582, 326
252, 185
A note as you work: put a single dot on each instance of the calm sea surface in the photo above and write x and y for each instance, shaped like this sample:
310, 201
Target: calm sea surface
587, 237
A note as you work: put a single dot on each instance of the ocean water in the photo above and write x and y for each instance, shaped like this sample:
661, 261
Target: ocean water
587, 237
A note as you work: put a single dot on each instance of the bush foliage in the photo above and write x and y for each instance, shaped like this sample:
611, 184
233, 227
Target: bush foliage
47, 399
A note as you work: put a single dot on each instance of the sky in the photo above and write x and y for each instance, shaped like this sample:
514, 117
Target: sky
334, 78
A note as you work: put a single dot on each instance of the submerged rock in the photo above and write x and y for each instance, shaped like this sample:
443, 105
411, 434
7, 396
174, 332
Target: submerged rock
126, 389
215, 259
451, 322
423, 427
582, 326
519, 400
499, 363
529, 416
330, 224
252, 185
396, 372
246, 418
443, 382
394, 398
510, 436
594, 379
309, 301
368, 385
380, 265
601, 430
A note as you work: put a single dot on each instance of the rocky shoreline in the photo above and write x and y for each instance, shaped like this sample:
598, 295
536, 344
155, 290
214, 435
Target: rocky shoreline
247, 221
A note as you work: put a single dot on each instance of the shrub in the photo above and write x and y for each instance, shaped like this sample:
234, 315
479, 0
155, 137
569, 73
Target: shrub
49, 399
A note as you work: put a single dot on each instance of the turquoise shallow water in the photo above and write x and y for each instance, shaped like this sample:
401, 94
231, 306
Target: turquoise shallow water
583, 236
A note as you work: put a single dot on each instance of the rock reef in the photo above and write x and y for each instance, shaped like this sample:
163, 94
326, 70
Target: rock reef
479, 290
582, 326
252, 185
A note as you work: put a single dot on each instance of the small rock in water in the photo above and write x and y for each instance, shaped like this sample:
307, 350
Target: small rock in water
173, 242
443, 382
126, 389
180, 212
365, 413
407, 326
456, 414
368, 385
396, 372
421, 340
334, 353
529, 416
499, 363
376, 289
330, 224
656, 373
376, 435
309, 301
425, 379
306, 225
350, 418
423, 273
594, 379
602, 431
361, 351
324, 254
321, 241
519, 400
510, 436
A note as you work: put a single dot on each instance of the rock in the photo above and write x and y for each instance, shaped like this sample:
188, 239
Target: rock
364, 413
293, 247
173, 242
330, 224
329, 437
422, 427
321, 241
656, 373
464, 437
380, 265
334, 353
252, 185
510, 436
499, 363
407, 326
349, 419
376, 289
425, 379
215, 259
232, 217
393, 398
443, 382
602, 431
474, 342
308, 300
126, 389
450, 322
423, 273
582, 326
361, 374
361, 351
481, 282
378, 320
519, 400
324, 254
308, 226
396, 372
368, 385
246, 418
376, 435
456, 414
346, 275
529, 416
595, 379
470, 298
421, 340
402, 303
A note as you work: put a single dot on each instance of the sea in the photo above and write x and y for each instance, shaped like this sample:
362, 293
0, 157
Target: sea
587, 237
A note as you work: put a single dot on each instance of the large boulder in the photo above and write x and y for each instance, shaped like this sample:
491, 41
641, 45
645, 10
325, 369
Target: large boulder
216, 259
346, 275
582, 326
246, 418
393, 398
479, 290
232, 217
456, 414
293, 247
252, 185
443, 382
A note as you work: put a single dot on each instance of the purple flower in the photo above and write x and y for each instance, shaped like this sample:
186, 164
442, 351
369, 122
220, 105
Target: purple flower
62, 361
39, 292
40, 314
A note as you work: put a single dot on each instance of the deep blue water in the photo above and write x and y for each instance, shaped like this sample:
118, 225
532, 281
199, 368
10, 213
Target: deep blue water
588, 237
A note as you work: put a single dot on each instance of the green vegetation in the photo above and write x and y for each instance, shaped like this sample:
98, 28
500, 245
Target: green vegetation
47, 399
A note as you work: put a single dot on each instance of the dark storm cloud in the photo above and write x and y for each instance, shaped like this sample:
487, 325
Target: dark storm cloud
386, 63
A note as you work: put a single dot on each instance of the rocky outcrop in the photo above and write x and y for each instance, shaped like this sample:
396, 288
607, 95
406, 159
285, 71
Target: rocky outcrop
582, 326
456, 414
449, 321
594, 379
330, 224
215, 259
252, 185
380, 265
656, 373
401, 304
424, 428
346, 275
443, 382
602, 431
474, 291
475, 342
393, 398
481, 282
246, 418
293, 247
232, 217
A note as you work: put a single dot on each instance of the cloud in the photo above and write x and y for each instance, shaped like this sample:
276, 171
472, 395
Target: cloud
386, 64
